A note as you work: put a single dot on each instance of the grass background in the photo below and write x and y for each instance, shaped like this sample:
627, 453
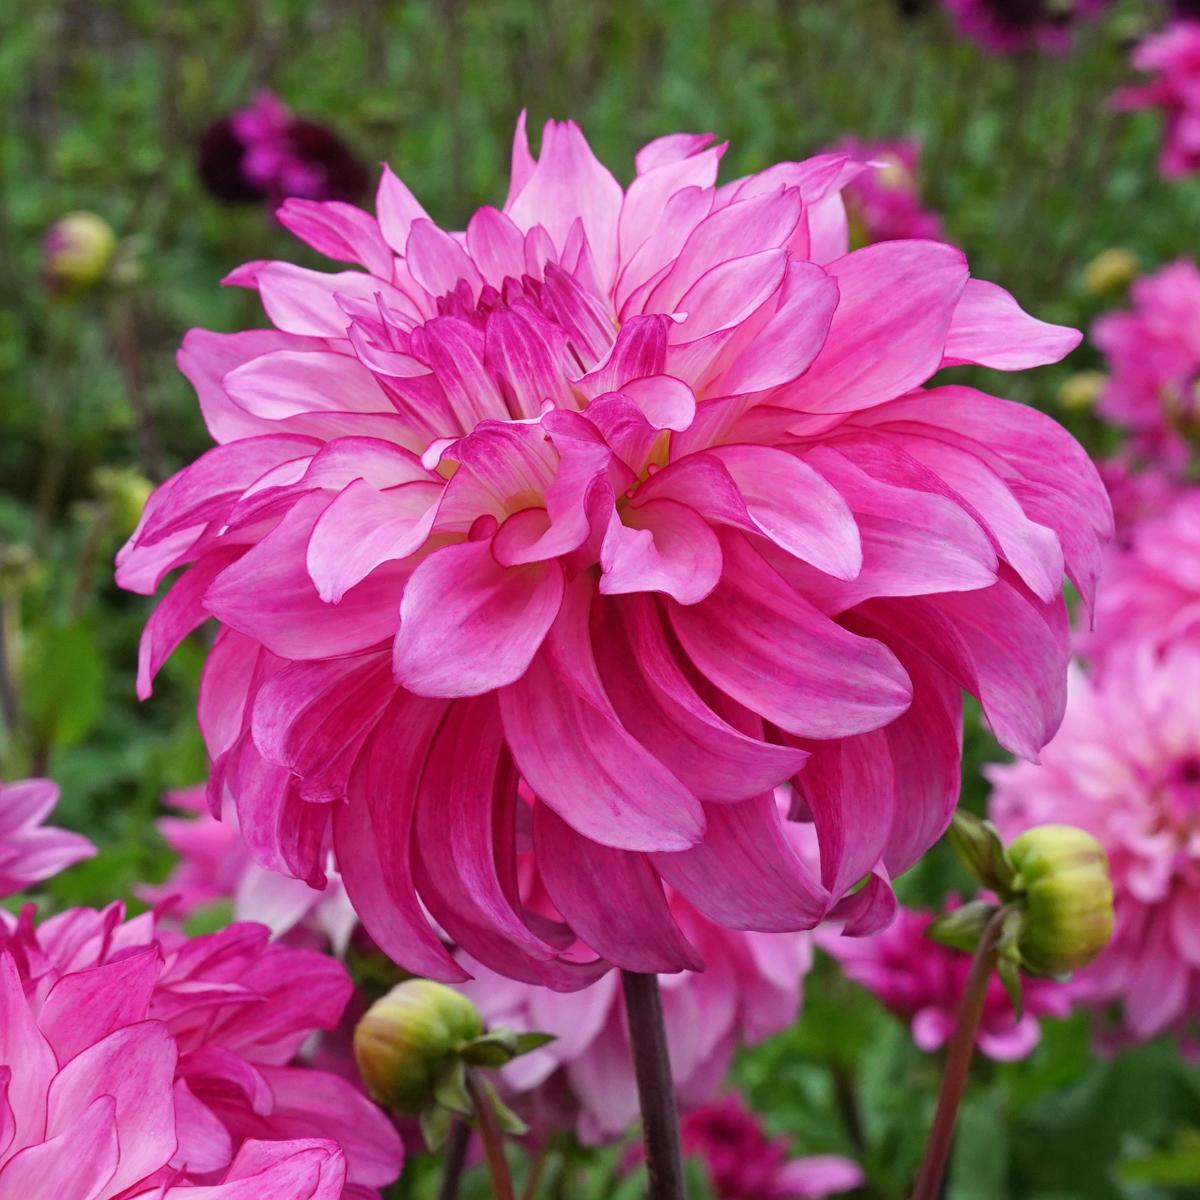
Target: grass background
100, 105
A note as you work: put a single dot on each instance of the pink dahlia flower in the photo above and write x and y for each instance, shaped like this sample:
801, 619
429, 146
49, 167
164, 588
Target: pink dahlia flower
215, 864
1151, 589
227, 1015
1021, 26
751, 989
922, 982
1173, 58
1126, 767
744, 1164
884, 204
582, 530
1154, 357
1138, 492
30, 851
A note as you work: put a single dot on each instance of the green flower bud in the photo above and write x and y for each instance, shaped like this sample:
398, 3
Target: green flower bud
408, 1040
76, 252
1081, 390
125, 493
1110, 271
1062, 876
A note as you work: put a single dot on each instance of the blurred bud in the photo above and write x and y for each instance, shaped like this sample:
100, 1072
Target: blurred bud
76, 252
1062, 875
1081, 390
124, 492
18, 567
407, 1042
1110, 271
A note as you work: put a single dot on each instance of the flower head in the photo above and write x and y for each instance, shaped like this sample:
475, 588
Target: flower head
1154, 357
265, 152
744, 1164
581, 531
220, 1020
30, 851
1126, 768
1173, 58
884, 203
1019, 26
76, 252
922, 982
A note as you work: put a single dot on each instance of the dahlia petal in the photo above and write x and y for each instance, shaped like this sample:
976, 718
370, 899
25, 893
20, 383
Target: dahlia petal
1159, 998
76, 1164
1185, 925
818, 1175
437, 261
789, 342
268, 595
725, 295
306, 1169
363, 529
530, 356
339, 231
397, 209
992, 330
653, 260
647, 196
869, 910
612, 898
828, 683
285, 383
745, 874
561, 728
660, 546
496, 246
27, 1053
469, 625
897, 301
205, 1145
26, 802
640, 349
633, 420
671, 148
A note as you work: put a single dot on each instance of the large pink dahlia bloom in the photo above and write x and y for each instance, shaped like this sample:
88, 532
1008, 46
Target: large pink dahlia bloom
29, 850
1126, 767
633, 498
1154, 356
922, 982
228, 1013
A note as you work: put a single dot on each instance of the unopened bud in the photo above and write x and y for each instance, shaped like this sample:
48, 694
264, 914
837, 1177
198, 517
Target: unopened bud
1082, 390
124, 492
1110, 271
1062, 874
76, 252
407, 1041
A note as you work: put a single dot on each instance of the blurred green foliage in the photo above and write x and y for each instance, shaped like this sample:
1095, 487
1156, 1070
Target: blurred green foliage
100, 105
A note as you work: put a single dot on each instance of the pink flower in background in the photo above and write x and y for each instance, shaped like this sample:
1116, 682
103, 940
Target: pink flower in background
1021, 26
1154, 358
579, 532
744, 1164
885, 203
30, 851
922, 981
1151, 590
226, 1013
215, 864
265, 152
1138, 492
751, 988
1126, 767
1173, 58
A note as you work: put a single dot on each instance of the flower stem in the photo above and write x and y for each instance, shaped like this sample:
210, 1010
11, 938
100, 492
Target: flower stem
455, 1160
958, 1062
493, 1140
656, 1091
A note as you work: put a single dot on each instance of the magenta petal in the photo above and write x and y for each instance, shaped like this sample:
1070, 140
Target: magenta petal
75, 1164
287, 383
397, 209
990, 328
469, 625
339, 231
771, 650
661, 546
612, 898
27, 1054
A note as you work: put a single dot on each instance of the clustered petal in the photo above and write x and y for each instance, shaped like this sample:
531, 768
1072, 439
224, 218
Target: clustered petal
29, 850
578, 532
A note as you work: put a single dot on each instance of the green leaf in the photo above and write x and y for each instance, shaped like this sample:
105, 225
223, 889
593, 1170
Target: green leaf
62, 683
509, 1122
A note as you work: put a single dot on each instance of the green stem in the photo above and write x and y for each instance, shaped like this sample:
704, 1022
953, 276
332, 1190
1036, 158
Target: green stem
492, 1138
958, 1062
455, 1160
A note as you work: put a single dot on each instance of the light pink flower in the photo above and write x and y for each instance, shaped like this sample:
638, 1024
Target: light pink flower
751, 988
1126, 767
30, 851
633, 498
1021, 26
885, 203
744, 1164
1173, 57
215, 864
228, 1014
922, 981
1151, 587
1154, 357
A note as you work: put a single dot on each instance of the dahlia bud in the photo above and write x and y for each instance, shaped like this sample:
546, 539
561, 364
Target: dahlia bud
76, 252
407, 1042
124, 492
1110, 271
1081, 390
1062, 875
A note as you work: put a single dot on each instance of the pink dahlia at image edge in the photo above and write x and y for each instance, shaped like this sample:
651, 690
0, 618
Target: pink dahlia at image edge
580, 531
